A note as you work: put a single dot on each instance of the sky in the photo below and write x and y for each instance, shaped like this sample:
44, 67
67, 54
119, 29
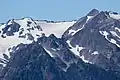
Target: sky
57, 10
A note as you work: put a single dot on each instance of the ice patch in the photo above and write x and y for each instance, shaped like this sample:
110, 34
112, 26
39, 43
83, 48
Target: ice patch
95, 53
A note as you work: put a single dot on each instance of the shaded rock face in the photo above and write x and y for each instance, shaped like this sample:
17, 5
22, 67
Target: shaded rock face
9, 30
32, 62
80, 24
13, 28
101, 35
67, 34
59, 50
93, 12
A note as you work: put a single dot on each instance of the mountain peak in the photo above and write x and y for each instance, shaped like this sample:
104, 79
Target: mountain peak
52, 36
27, 19
93, 12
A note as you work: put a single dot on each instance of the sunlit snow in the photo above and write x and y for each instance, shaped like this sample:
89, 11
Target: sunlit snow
115, 34
105, 34
48, 28
57, 28
95, 53
115, 16
76, 50
49, 52
73, 32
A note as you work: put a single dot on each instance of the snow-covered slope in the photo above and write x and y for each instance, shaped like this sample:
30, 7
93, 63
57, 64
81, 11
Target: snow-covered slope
56, 28
114, 15
26, 30
15, 32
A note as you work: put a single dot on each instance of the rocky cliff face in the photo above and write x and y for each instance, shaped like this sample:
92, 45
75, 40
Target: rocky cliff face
100, 38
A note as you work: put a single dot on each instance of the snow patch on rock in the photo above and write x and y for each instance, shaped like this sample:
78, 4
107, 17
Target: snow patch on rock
86, 61
73, 32
105, 34
76, 50
115, 16
95, 53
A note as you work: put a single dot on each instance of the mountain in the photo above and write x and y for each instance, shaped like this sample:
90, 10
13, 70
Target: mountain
26, 30
86, 49
99, 37
33, 62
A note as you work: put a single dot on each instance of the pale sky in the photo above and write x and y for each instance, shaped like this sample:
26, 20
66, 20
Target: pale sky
53, 9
